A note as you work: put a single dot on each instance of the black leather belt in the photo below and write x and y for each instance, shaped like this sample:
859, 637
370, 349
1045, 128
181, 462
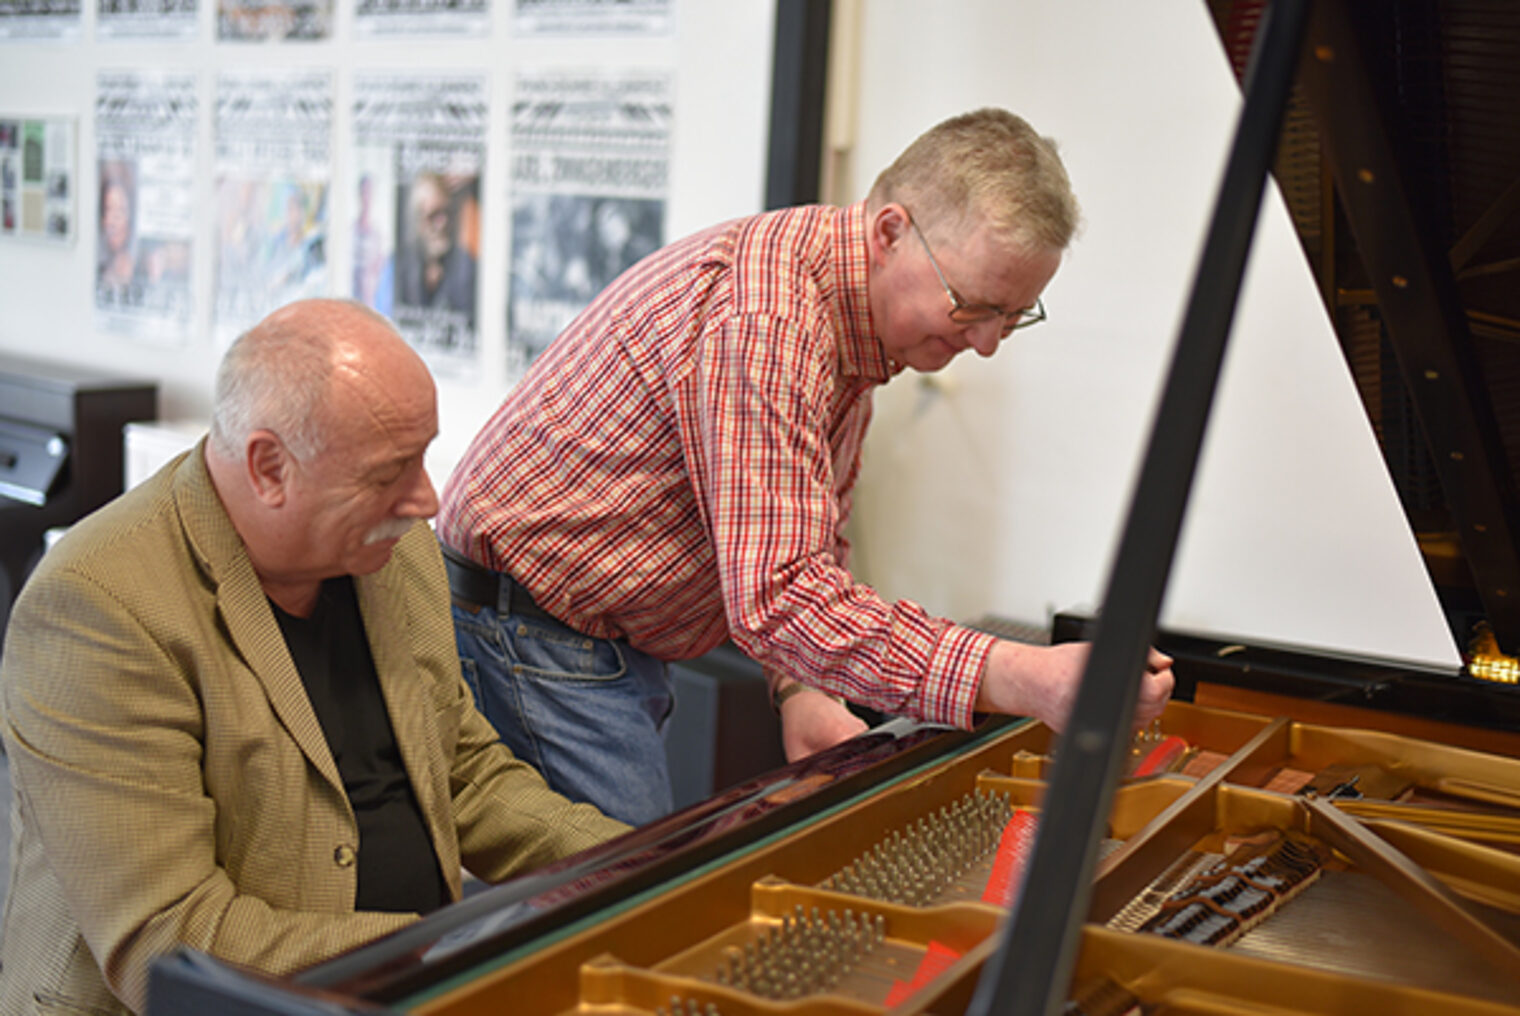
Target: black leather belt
473, 586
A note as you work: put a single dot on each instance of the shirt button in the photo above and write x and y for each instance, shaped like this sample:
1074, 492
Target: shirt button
344, 856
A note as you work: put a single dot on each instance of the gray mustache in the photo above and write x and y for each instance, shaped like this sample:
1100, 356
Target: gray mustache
390, 529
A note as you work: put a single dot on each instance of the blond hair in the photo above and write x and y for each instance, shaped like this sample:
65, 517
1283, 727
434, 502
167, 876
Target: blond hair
986, 165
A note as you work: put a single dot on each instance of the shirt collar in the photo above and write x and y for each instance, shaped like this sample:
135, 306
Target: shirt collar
860, 351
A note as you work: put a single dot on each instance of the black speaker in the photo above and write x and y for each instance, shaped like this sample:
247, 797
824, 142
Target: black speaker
723, 730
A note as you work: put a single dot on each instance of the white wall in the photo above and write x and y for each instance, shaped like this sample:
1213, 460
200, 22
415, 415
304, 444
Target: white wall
1002, 485
720, 56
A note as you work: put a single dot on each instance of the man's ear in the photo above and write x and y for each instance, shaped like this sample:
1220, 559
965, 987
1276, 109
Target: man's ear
886, 228
268, 465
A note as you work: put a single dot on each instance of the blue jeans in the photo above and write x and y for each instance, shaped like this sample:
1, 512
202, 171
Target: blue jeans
586, 713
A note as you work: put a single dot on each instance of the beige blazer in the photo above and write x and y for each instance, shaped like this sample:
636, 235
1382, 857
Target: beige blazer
171, 782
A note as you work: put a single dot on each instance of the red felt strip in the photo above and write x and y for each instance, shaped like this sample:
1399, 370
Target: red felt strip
935, 961
1013, 850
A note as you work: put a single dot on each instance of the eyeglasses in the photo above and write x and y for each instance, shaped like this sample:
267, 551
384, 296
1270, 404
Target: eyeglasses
963, 313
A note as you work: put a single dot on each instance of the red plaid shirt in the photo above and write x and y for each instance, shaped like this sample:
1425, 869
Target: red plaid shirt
676, 468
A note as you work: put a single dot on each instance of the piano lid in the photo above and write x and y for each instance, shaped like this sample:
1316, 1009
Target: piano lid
1400, 162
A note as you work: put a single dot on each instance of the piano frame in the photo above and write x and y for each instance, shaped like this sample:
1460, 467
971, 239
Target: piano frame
724, 854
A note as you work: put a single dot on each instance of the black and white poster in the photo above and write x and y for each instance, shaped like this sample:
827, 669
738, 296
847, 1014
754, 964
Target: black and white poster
379, 19
31, 20
419, 152
134, 20
273, 166
590, 155
592, 17
145, 129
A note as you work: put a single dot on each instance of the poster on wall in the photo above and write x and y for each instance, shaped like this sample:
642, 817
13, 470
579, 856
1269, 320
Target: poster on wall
273, 20
378, 19
134, 20
273, 165
419, 150
32, 20
145, 210
591, 17
590, 155
38, 178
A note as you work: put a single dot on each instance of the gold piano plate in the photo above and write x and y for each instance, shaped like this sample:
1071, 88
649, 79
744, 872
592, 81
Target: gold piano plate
1369, 773
1421, 919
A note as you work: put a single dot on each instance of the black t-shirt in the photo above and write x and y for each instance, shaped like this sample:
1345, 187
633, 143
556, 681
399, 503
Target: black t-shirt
398, 868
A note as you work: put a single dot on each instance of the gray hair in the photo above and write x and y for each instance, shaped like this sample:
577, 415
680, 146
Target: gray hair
987, 164
276, 377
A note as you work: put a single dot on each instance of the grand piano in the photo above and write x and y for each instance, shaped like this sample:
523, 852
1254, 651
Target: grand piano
1300, 833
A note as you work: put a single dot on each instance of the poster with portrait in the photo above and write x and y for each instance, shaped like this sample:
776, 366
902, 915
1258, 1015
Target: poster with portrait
141, 20
592, 17
34, 20
37, 178
273, 20
380, 19
145, 130
590, 154
419, 151
272, 168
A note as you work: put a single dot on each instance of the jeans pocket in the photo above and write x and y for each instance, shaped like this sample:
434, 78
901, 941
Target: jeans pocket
481, 633
551, 652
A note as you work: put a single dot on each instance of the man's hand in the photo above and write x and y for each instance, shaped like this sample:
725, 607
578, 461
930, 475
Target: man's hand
1155, 688
812, 721
1041, 681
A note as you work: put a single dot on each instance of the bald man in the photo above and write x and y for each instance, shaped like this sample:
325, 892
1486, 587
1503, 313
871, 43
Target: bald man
232, 702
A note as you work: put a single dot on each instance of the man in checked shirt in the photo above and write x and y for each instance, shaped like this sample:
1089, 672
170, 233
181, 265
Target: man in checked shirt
675, 470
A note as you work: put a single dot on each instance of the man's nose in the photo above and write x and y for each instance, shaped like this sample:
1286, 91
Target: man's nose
985, 336
421, 500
